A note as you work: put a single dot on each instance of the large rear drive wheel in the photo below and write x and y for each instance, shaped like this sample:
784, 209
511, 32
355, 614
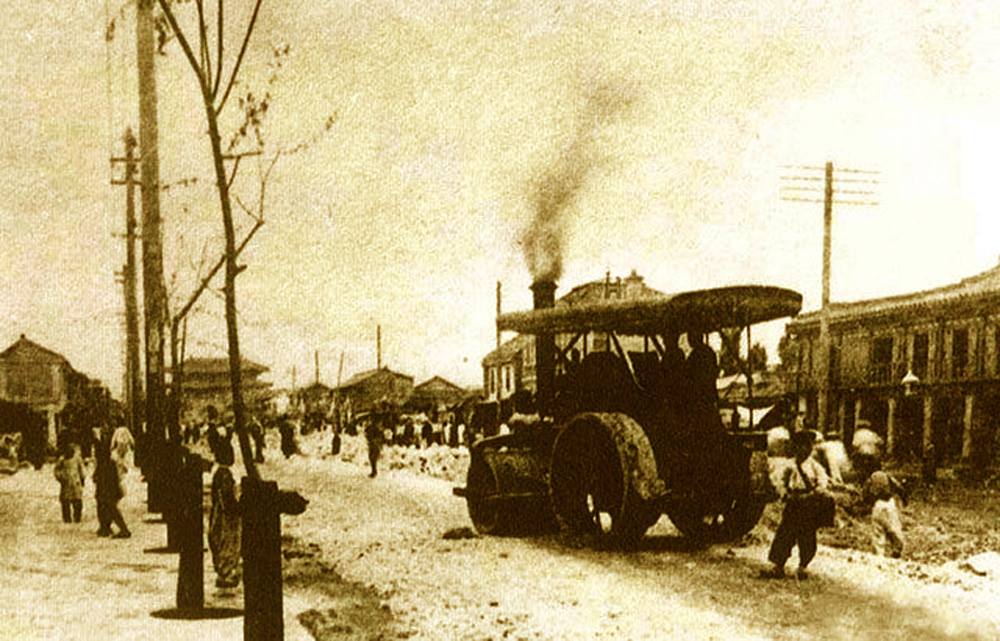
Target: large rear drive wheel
590, 489
726, 524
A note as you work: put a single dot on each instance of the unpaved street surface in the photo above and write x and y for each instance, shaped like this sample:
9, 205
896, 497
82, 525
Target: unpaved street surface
386, 533
367, 561
61, 581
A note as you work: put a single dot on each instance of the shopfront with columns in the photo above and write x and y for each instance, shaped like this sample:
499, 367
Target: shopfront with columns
923, 369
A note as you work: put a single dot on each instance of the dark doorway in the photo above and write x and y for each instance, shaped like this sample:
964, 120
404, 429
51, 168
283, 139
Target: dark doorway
910, 429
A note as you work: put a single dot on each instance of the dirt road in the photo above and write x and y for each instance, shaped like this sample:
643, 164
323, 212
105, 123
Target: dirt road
386, 533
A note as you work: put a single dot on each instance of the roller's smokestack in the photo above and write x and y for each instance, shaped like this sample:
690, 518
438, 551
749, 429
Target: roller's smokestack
544, 295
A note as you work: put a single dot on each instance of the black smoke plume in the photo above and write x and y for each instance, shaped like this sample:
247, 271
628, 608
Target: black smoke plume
553, 191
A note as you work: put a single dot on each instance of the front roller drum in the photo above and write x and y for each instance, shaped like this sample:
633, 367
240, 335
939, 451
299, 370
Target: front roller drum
496, 511
482, 491
591, 489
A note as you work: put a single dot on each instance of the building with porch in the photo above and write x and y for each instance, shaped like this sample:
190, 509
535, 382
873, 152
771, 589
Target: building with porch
923, 368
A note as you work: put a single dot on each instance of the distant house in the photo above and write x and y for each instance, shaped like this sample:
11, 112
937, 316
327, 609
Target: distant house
206, 383
435, 395
44, 381
511, 367
364, 390
312, 399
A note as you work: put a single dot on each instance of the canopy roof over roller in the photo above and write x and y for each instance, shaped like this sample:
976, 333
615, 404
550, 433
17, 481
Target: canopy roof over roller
705, 310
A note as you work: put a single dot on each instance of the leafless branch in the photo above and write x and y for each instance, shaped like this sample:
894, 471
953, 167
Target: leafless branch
239, 57
186, 47
203, 285
218, 55
236, 167
206, 61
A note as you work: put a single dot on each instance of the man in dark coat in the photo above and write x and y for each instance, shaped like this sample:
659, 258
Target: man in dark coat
374, 435
287, 429
108, 491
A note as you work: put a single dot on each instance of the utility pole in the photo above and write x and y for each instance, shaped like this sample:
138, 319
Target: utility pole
153, 286
802, 188
133, 366
316, 359
498, 313
378, 347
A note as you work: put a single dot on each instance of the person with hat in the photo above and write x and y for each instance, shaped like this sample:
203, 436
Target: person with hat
806, 508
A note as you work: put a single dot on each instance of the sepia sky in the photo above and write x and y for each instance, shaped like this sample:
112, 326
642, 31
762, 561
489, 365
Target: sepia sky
449, 115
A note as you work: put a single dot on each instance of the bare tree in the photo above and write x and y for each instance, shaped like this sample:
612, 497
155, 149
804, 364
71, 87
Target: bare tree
215, 92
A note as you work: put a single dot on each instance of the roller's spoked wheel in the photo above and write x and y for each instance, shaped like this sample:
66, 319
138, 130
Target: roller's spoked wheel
726, 524
603, 490
589, 490
482, 488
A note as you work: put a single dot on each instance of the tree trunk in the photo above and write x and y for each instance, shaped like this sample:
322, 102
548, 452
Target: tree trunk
232, 333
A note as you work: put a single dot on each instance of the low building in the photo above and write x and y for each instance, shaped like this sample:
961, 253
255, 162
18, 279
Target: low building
922, 368
44, 381
206, 384
364, 390
313, 401
435, 395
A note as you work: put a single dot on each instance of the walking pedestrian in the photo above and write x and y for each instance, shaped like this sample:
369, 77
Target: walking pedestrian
69, 472
108, 491
122, 444
257, 434
373, 437
287, 429
807, 508
224, 525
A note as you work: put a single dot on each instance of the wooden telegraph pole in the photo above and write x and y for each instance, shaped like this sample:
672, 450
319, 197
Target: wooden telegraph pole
153, 286
498, 312
858, 185
133, 366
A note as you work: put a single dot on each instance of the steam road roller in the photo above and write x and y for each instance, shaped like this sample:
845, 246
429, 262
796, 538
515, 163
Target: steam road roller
623, 425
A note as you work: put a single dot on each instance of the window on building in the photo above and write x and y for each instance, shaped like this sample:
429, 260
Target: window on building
506, 379
959, 352
881, 365
920, 355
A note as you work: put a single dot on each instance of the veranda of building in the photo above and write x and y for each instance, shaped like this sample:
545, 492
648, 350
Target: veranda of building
948, 338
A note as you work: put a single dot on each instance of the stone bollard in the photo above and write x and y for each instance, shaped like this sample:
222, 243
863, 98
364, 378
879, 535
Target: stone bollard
263, 505
190, 535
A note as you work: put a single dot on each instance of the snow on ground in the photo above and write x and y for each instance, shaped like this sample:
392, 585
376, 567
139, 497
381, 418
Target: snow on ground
60, 581
386, 533
367, 561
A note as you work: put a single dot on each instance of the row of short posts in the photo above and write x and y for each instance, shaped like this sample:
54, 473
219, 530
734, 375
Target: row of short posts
262, 506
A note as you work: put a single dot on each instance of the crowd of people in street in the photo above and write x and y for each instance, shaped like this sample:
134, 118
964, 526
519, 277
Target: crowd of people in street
803, 485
